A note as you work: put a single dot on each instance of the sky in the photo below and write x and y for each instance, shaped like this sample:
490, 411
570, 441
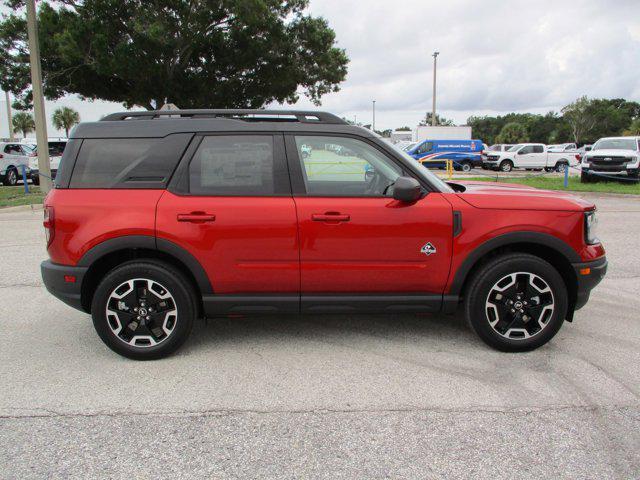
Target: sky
495, 57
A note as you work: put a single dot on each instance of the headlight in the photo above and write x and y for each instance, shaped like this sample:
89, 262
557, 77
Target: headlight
590, 228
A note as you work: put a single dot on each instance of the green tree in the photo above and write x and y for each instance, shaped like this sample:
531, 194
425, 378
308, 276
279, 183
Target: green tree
634, 128
403, 129
64, 118
23, 123
441, 121
612, 117
513, 132
207, 53
579, 115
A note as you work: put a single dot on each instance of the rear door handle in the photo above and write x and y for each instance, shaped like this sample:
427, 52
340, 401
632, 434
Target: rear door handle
330, 217
196, 217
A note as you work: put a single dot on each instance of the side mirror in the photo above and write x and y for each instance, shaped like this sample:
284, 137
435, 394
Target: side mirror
407, 189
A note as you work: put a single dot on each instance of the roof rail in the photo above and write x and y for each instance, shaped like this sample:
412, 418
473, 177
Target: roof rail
256, 115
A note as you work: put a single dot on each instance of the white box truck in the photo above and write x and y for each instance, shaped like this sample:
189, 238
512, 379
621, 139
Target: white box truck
428, 132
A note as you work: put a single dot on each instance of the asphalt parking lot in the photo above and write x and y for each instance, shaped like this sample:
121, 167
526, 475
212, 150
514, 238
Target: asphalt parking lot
395, 396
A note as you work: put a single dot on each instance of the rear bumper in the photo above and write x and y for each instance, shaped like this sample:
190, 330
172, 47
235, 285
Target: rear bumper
53, 276
588, 281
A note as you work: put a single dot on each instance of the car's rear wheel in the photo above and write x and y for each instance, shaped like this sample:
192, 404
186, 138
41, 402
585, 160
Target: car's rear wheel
466, 166
516, 302
36, 179
561, 167
506, 166
143, 309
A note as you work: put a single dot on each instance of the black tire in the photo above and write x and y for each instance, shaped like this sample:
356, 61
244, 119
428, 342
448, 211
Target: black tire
561, 166
11, 177
466, 166
182, 299
35, 179
506, 166
485, 282
585, 178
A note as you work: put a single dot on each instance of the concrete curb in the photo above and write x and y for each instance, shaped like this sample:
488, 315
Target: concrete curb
22, 208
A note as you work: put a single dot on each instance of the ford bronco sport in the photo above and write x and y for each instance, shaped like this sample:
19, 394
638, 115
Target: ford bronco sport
159, 218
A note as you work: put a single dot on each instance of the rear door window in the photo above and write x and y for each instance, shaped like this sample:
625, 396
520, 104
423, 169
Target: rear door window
538, 149
237, 165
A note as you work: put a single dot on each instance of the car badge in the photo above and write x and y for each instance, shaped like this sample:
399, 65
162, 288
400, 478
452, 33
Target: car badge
428, 249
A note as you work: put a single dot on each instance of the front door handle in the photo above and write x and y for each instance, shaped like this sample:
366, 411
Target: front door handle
330, 217
196, 217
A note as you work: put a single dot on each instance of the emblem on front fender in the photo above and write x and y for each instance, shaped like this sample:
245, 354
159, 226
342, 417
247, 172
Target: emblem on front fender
428, 249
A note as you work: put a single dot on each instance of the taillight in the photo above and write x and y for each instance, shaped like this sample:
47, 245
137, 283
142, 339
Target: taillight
578, 157
49, 224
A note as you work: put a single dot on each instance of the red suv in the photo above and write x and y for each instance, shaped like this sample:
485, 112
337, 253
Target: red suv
158, 218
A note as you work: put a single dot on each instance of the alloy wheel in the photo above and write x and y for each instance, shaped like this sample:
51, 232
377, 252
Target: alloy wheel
141, 312
519, 305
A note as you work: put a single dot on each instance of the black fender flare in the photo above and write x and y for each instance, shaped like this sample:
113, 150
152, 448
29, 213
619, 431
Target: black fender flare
149, 242
507, 239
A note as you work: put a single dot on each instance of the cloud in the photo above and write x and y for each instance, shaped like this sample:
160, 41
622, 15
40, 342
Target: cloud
495, 56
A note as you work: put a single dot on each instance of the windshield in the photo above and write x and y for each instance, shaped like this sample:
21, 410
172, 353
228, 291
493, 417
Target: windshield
616, 144
515, 147
426, 174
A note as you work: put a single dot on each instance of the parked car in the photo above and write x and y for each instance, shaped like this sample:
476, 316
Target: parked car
562, 147
56, 149
154, 223
612, 156
530, 156
12, 156
466, 154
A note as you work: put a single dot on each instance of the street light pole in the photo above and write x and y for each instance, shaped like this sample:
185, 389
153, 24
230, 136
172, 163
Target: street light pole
38, 99
433, 113
9, 119
373, 125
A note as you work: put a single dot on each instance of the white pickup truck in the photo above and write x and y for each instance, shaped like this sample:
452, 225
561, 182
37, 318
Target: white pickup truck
530, 156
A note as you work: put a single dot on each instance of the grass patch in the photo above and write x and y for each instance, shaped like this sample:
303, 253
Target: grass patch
557, 183
14, 196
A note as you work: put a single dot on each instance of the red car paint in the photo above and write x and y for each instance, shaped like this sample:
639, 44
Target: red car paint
274, 244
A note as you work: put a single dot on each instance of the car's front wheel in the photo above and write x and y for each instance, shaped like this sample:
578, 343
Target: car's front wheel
11, 177
144, 309
516, 302
506, 166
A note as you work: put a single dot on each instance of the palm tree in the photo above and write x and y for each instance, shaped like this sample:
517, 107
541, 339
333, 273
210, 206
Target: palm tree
64, 118
23, 122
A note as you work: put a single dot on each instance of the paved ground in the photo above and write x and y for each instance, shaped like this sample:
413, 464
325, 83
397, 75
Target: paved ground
321, 397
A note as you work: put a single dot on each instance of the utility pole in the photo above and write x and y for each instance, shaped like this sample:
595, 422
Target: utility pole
373, 124
433, 113
38, 99
9, 119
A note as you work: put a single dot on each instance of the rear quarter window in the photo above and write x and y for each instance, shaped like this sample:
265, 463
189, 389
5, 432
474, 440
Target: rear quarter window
128, 162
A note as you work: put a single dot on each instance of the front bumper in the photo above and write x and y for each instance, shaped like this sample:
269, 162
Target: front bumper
589, 274
57, 280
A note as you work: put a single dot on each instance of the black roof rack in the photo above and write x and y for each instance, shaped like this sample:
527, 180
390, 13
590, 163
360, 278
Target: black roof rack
255, 115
